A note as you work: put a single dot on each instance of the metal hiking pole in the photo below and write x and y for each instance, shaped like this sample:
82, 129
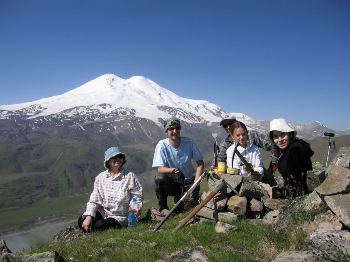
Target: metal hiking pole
329, 135
199, 207
216, 151
199, 180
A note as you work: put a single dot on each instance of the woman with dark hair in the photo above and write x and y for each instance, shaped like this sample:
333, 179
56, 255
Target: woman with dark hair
110, 200
250, 152
292, 157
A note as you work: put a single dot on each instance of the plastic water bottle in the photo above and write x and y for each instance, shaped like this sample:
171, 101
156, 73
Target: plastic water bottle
132, 219
135, 205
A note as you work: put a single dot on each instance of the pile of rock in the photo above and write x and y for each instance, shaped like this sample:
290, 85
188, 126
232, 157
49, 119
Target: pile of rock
240, 198
328, 235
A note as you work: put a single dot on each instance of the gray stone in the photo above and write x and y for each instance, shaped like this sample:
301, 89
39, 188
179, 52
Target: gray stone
256, 205
271, 217
221, 227
286, 213
295, 256
315, 178
342, 158
3, 247
237, 205
227, 216
213, 181
323, 223
195, 254
69, 234
217, 203
252, 189
340, 205
337, 182
331, 245
212, 214
313, 202
10, 257
232, 181
48, 256
208, 213
266, 187
276, 204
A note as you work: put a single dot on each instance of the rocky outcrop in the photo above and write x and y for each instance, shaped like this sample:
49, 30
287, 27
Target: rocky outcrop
7, 256
328, 205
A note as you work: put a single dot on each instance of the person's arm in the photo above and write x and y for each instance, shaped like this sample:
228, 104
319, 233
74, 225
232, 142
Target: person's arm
159, 160
298, 160
91, 207
87, 223
199, 169
167, 170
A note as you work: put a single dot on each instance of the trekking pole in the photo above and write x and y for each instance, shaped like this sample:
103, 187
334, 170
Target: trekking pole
199, 207
199, 180
329, 135
216, 150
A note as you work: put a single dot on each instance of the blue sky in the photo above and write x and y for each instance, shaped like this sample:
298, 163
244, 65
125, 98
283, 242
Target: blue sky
267, 59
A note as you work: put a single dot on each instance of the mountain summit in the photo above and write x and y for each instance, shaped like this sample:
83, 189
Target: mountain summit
109, 93
110, 99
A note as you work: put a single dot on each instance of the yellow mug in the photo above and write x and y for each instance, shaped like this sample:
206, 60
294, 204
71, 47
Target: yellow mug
222, 167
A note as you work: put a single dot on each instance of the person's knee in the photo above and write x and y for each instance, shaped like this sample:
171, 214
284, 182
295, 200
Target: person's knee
161, 178
99, 225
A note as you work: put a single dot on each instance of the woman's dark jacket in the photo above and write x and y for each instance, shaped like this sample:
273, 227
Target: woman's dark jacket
293, 164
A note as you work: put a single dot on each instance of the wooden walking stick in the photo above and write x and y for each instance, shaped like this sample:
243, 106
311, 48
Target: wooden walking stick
199, 207
181, 199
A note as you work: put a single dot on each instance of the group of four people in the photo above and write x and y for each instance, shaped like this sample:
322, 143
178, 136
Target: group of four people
108, 206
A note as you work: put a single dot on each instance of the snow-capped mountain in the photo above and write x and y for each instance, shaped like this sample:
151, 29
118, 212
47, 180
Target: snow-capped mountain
111, 99
110, 95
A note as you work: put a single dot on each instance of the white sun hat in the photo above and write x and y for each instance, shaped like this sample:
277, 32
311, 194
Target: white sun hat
280, 124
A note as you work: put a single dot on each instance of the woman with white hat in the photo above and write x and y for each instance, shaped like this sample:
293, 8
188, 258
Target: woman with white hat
110, 200
292, 157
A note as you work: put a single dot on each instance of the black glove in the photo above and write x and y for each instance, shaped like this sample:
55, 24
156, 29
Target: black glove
177, 176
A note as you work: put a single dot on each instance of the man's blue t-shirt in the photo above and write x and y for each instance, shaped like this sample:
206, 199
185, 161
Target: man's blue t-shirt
181, 158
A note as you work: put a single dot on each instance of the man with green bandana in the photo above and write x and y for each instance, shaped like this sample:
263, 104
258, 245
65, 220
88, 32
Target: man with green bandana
173, 158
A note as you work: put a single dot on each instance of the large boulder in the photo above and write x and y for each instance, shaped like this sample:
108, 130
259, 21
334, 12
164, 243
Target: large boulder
342, 158
331, 245
324, 222
313, 203
337, 182
340, 205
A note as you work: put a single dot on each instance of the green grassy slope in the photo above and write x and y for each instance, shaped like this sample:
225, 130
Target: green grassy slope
250, 242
